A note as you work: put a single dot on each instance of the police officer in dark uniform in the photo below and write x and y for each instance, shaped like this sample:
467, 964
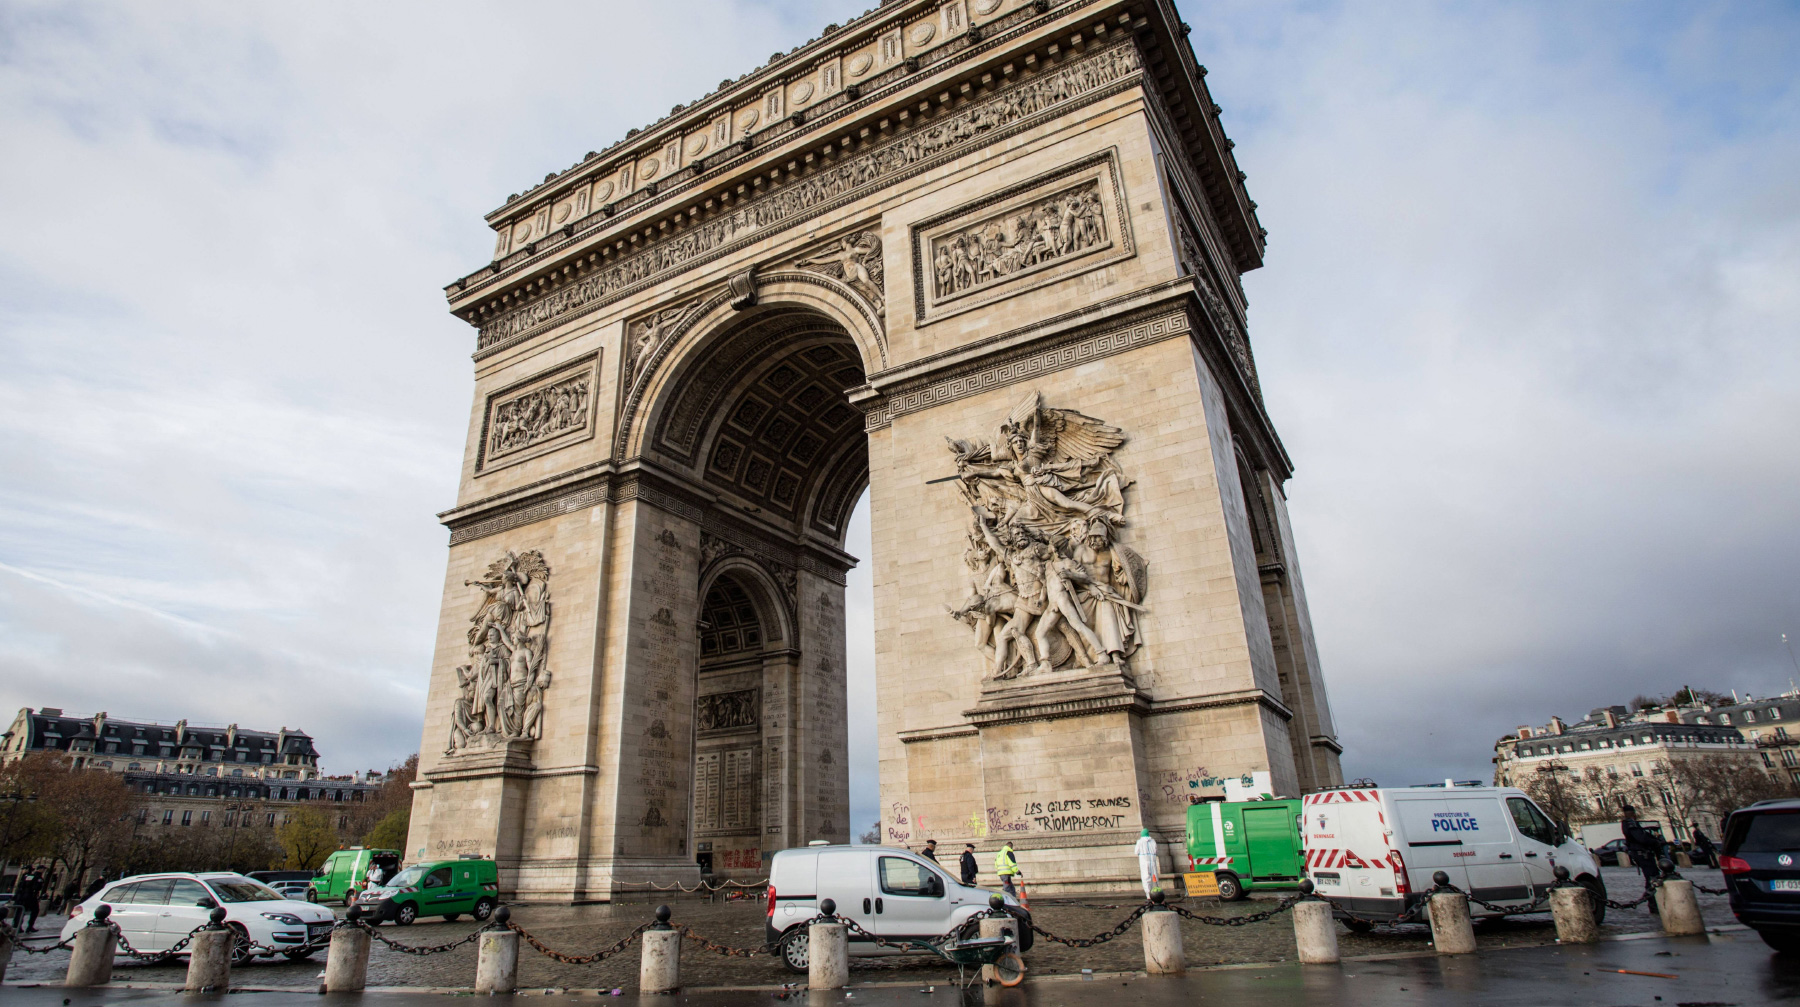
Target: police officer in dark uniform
1644, 848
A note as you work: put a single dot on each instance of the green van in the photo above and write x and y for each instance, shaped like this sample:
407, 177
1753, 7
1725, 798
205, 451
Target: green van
447, 888
1243, 845
346, 870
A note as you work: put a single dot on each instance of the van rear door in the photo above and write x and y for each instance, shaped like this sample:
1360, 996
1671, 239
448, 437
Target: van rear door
1270, 842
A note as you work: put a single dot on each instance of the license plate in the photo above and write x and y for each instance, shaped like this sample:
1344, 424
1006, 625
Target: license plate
1785, 885
317, 929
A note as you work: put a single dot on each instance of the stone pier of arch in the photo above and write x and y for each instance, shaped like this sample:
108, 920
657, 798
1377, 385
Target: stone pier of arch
977, 258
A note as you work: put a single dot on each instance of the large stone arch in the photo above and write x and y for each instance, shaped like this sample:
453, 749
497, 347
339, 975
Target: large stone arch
980, 257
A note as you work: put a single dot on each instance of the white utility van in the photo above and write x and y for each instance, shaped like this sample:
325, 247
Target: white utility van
891, 892
1373, 850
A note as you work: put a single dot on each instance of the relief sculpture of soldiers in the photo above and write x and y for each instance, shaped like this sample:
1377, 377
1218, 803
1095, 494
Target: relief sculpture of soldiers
500, 693
964, 273
1051, 587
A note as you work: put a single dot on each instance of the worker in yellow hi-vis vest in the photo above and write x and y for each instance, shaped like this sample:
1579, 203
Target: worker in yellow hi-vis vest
1007, 866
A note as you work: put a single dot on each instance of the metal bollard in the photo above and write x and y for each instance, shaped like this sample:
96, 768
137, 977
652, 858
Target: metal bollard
1572, 906
659, 971
995, 926
1315, 931
1162, 939
1451, 931
209, 957
91, 961
347, 960
497, 957
1679, 907
828, 952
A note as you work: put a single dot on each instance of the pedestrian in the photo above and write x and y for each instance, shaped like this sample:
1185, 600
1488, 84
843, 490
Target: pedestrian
1709, 854
966, 863
930, 850
30, 887
1146, 855
93, 887
1007, 866
71, 894
1644, 848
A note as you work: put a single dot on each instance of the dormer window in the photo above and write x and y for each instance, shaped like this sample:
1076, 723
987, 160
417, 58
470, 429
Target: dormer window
1725, 719
1774, 713
1749, 716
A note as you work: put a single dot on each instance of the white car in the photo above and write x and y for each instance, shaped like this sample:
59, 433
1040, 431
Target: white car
155, 911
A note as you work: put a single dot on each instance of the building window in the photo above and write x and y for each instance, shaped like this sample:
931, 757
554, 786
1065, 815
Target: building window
1787, 757
230, 818
204, 815
168, 816
343, 821
1585, 746
1766, 760
1725, 718
187, 818
143, 815
1749, 716
271, 819
1637, 769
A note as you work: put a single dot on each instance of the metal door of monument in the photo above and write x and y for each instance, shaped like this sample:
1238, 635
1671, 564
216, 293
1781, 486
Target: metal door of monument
979, 258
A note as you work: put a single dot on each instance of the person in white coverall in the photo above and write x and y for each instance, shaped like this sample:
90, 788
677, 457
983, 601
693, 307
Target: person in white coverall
1146, 854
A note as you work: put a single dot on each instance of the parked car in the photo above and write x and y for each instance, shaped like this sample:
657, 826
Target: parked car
447, 888
1244, 845
155, 911
1374, 850
888, 891
1760, 858
1608, 851
291, 884
345, 870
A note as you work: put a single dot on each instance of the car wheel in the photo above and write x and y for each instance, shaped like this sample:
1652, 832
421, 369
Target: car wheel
312, 896
794, 949
1360, 926
1230, 888
240, 947
1596, 895
1786, 942
405, 913
1009, 968
483, 909
301, 955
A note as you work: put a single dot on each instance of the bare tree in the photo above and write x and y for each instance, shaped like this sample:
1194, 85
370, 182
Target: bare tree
1605, 790
1556, 788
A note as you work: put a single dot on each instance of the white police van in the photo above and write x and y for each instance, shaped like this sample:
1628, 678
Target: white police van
1373, 850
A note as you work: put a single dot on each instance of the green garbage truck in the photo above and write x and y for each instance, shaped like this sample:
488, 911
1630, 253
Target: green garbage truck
1237, 846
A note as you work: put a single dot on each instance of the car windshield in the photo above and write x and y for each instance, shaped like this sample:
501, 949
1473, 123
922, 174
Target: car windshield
410, 876
1771, 833
242, 890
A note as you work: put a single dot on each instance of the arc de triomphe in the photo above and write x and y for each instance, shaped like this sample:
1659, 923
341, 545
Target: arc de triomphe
979, 257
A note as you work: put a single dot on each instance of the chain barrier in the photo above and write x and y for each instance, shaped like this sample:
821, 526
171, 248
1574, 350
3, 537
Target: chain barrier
1238, 921
704, 886
623, 943
729, 952
18, 942
1099, 938
419, 949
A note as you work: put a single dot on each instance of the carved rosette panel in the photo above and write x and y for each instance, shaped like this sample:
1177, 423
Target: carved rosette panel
540, 414
1051, 589
500, 692
1021, 238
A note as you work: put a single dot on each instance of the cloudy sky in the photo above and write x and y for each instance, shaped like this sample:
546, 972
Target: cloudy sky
1528, 327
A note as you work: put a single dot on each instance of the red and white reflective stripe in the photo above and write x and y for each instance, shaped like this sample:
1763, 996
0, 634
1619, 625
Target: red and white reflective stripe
1340, 797
1210, 860
1336, 858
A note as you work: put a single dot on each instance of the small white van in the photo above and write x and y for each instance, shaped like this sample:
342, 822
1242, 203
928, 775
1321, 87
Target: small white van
891, 892
1373, 850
